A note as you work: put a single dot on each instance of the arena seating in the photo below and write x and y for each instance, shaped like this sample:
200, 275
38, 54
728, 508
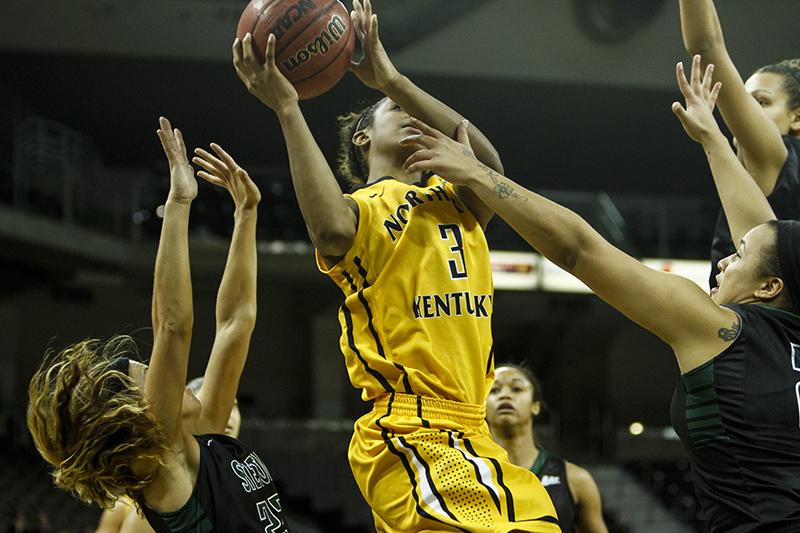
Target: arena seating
33, 504
679, 229
671, 481
308, 459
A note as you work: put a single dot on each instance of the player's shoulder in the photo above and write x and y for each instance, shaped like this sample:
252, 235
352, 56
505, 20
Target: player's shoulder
580, 479
792, 143
374, 187
764, 311
576, 472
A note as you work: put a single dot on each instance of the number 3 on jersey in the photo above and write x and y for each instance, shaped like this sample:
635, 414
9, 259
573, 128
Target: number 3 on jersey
452, 233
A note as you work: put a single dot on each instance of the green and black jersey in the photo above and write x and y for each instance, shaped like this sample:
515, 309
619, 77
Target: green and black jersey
234, 493
784, 200
552, 472
739, 418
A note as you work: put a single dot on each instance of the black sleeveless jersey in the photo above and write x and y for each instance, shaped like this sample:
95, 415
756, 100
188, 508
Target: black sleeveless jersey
552, 472
739, 418
784, 199
234, 493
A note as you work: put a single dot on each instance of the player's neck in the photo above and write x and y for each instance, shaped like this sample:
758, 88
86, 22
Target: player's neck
381, 167
519, 443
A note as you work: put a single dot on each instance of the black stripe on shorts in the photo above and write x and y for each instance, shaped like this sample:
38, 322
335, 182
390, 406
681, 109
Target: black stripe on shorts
429, 477
414, 489
496, 464
451, 440
425, 423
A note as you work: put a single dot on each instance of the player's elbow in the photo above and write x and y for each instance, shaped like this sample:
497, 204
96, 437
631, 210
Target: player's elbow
173, 318
174, 326
241, 322
569, 260
706, 47
578, 250
492, 160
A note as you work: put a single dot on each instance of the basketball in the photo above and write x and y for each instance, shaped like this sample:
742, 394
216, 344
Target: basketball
314, 40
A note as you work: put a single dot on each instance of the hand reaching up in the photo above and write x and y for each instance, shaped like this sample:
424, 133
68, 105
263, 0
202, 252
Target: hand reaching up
697, 117
182, 183
223, 171
374, 69
266, 82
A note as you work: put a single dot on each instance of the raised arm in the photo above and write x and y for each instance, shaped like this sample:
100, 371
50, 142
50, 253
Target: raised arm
330, 217
376, 71
670, 306
758, 137
172, 313
744, 204
236, 299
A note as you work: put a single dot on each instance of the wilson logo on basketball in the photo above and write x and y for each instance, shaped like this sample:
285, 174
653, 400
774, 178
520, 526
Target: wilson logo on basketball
319, 45
291, 15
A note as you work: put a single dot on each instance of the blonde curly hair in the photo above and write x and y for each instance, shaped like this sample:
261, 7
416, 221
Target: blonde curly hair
92, 423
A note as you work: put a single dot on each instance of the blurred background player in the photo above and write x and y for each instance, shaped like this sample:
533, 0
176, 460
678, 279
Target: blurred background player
763, 114
123, 518
515, 400
409, 253
113, 427
234, 421
735, 408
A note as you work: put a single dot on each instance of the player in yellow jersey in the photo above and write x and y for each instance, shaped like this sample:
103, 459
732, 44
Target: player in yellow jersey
409, 253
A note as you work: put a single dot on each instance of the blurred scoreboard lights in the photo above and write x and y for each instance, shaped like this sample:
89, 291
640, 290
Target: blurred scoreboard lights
529, 271
517, 270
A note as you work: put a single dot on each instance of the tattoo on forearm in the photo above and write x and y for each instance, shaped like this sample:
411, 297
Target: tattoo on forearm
503, 191
730, 334
502, 188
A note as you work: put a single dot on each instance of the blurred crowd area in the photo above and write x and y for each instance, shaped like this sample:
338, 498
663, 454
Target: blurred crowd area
309, 463
55, 171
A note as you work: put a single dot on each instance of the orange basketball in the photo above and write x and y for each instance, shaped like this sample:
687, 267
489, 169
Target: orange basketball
314, 40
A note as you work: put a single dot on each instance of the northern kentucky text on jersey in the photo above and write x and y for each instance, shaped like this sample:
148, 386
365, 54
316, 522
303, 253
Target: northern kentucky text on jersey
396, 222
452, 304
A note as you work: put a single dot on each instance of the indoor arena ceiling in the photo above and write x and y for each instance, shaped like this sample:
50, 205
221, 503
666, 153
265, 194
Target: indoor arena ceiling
574, 95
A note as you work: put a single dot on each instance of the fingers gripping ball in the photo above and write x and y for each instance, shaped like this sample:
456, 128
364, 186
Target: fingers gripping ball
314, 40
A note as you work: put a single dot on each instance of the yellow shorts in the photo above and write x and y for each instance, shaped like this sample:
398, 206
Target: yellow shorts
425, 464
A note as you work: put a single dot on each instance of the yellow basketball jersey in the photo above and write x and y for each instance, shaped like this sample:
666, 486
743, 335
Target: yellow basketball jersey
418, 294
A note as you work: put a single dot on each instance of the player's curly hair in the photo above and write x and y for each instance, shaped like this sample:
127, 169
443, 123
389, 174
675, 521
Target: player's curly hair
91, 421
351, 161
790, 70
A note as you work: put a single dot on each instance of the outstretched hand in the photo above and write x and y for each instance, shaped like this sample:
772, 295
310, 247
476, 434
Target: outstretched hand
264, 81
182, 183
223, 171
452, 159
697, 117
374, 69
